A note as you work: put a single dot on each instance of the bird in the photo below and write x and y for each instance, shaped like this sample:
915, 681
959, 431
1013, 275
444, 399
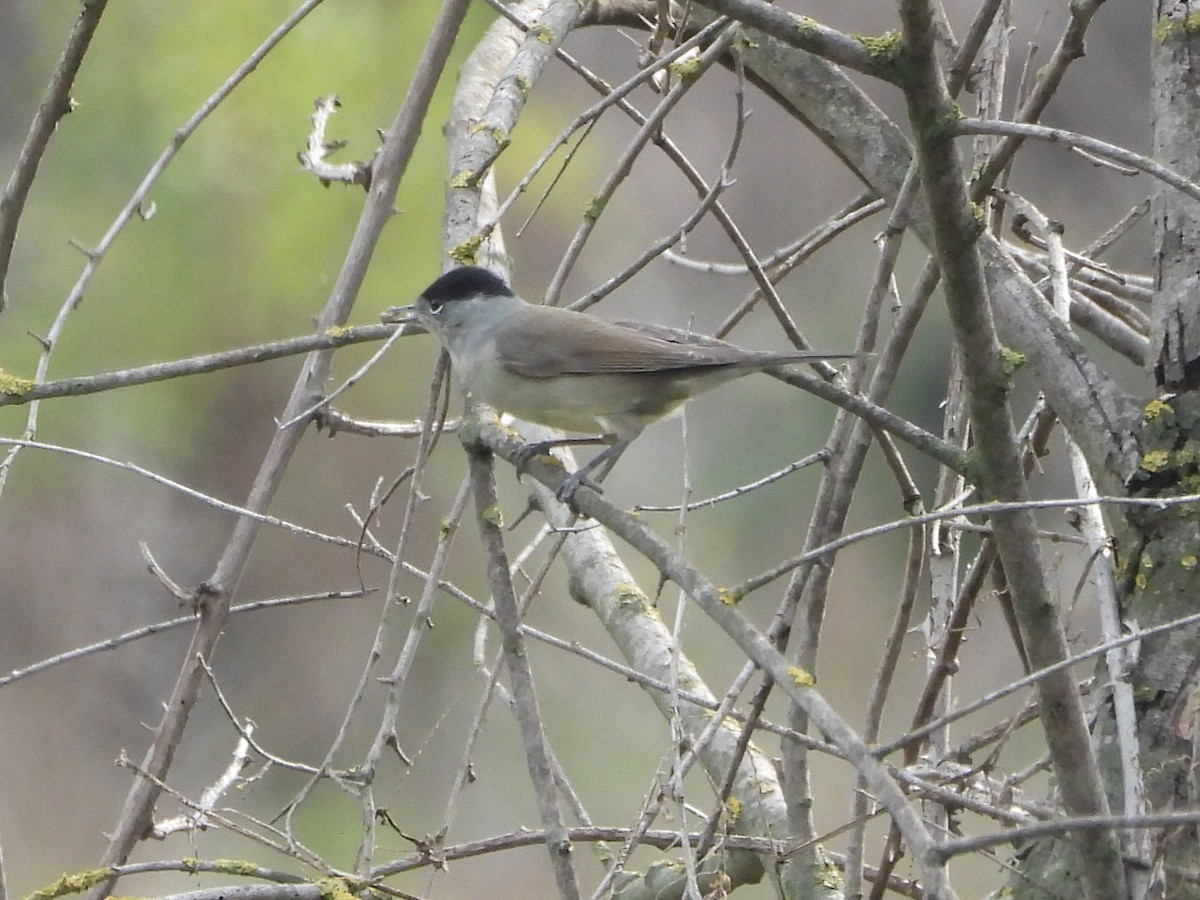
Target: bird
571, 370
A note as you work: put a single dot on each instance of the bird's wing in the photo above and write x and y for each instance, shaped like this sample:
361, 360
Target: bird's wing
545, 341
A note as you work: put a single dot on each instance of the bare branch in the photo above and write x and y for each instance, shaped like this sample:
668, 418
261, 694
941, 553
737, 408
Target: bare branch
135, 203
954, 230
521, 676
803, 33
195, 365
1088, 824
792, 681
1084, 142
56, 103
625, 164
217, 591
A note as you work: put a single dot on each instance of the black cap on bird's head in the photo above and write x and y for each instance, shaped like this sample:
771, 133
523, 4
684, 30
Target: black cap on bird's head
457, 284
468, 281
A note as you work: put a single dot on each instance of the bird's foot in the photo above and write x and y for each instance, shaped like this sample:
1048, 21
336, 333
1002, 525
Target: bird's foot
571, 484
528, 451
574, 480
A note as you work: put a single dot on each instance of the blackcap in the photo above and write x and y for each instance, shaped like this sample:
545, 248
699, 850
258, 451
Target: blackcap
570, 370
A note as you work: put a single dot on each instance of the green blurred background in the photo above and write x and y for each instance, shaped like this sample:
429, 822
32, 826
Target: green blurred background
244, 248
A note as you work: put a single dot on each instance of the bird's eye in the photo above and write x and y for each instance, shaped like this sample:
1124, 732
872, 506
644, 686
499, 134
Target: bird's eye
435, 306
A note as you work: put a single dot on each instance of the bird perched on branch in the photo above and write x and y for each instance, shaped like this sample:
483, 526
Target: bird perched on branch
570, 370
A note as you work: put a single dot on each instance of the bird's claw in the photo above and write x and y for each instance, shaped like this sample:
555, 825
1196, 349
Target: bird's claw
571, 484
566, 491
527, 452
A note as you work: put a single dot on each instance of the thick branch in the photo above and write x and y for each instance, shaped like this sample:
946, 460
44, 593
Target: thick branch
955, 231
537, 751
1175, 339
865, 55
794, 682
1099, 415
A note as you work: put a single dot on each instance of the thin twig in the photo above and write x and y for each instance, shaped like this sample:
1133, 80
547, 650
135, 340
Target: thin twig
589, 116
1076, 140
948, 849
390, 164
1032, 678
792, 254
96, 255
245, 730
989, 509
145, 631
397, 677
743, 489
215, 502
346, 385
195, 365
624, 164
298, 852
56, 103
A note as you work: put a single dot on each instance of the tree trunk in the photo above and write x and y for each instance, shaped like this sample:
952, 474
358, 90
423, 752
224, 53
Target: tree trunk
1157, 549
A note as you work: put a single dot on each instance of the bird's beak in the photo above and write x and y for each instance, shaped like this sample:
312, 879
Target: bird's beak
398, 315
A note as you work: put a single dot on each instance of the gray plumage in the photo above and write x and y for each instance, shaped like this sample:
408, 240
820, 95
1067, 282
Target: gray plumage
570, 370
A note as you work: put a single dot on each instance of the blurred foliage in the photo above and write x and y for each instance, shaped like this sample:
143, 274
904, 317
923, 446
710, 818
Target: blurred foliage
242, 246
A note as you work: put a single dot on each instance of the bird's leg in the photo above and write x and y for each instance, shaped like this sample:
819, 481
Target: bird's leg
541, 448
607, 458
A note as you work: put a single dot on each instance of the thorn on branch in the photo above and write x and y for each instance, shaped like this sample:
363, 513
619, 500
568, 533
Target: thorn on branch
394, 742
173, 588
91, 254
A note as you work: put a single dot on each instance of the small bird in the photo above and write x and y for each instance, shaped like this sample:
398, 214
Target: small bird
570, 370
